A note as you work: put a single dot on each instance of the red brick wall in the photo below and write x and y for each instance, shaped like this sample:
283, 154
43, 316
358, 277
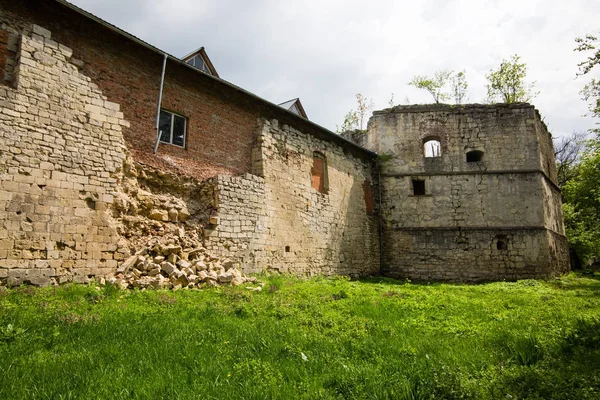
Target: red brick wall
221, 122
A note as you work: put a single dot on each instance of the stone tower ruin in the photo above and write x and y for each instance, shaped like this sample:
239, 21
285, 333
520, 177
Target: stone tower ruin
468, 193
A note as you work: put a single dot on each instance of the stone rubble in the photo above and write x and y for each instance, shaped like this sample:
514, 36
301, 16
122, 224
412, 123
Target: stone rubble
173, 262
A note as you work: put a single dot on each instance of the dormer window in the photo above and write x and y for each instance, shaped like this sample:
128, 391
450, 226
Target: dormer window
198, 62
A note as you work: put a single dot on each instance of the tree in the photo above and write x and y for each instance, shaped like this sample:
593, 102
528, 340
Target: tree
567, 151
363, 109
355, 119
459, 86
433, 85
507, 83
350, 122
591, 91
581, 207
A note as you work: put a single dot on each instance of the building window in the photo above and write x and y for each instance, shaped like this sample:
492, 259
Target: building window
418, 187
501, 242
474, 156
432, 148
198, 62
172, 128
319, 172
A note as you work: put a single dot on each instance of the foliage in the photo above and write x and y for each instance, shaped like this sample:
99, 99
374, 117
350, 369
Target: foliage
355, 119
567, 151
350, 122
314, 339
581, 206
433, 85
459, 85
507, 83
591, 91
363, 109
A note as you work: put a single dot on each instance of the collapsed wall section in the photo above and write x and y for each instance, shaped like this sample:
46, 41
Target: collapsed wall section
289, 218
61, 151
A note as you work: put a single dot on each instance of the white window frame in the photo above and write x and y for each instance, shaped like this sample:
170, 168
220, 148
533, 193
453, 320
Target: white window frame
204, 68
172, 124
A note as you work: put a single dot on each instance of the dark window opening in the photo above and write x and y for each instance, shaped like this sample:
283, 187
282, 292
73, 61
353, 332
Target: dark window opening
418, 187
474, 156
172, 128
319, 172
501, 242
432, 148
287, 249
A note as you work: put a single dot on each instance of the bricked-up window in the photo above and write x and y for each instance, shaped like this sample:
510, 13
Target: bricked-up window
432, 148
172, 128
418, 187
474, 156
319, 172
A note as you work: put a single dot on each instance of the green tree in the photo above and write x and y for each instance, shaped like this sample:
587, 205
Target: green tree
459, 86
433, 85
591, 91
363, 109
581, 193
507, 83
355, 119
581, 206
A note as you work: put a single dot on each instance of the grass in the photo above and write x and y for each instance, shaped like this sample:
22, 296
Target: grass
315, 339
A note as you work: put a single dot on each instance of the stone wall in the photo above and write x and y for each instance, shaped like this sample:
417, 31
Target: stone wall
496, 218
61, 151
278, 221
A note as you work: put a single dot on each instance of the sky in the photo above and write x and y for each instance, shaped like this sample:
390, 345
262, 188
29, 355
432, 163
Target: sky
327, 51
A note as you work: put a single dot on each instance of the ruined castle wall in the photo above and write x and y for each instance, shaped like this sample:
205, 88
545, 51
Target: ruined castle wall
467, 255
494, 200
61, 151
496, 218
278, 221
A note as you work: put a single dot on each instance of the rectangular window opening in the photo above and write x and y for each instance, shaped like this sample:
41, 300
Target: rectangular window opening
172, 128
319, 173
418, 187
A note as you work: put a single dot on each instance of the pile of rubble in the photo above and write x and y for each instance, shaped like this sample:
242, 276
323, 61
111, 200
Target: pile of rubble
166, 264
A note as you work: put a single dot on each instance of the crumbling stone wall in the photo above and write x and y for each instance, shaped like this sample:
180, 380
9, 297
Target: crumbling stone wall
497, 218
276, 220
61, 152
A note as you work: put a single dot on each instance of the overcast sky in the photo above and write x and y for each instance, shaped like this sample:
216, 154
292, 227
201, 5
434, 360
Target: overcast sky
326, 51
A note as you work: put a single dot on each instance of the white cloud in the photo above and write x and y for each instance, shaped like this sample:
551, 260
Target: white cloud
326, 51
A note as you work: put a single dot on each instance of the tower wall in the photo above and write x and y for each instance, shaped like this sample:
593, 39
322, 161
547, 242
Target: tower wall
482, 206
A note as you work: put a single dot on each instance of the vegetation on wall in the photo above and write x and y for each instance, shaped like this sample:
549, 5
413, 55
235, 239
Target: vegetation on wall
507, 84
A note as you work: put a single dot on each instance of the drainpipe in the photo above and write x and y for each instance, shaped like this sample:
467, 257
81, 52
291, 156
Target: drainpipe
162, 83
380, 219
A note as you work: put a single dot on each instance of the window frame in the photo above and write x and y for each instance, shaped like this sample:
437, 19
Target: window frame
185, 125
191, 61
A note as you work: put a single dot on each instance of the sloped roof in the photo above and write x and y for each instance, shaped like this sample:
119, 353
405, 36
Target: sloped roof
298, 109
315, 129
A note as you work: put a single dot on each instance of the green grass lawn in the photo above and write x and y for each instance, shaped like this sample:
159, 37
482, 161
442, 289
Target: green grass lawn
315, 339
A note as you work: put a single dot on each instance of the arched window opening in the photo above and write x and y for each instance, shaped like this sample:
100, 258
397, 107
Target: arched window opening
319, 172
474, 156
432, 148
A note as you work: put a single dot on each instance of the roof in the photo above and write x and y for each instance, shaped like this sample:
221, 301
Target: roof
289, 105
320, 131
202, 52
